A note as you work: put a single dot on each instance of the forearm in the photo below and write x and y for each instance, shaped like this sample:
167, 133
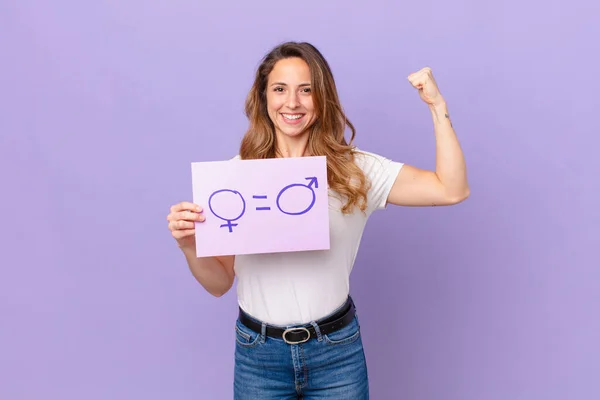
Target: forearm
209, 272
451, 168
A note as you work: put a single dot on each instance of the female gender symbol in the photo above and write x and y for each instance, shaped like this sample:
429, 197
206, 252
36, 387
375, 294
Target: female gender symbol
229, 223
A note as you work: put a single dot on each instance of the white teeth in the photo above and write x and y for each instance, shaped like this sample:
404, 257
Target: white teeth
287, 116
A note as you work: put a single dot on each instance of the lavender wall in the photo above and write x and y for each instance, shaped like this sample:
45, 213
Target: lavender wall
104, 105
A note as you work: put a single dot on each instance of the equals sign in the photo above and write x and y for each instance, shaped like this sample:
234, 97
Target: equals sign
261, 208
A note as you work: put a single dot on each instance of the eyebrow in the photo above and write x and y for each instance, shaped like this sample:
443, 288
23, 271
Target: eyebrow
285, 84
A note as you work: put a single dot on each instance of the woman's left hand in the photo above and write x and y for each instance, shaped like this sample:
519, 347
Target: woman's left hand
428, 89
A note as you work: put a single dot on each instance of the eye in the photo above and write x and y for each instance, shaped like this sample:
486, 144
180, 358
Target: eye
278, 89
306, 90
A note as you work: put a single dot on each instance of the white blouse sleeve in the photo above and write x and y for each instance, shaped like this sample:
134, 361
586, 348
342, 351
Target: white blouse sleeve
382, 173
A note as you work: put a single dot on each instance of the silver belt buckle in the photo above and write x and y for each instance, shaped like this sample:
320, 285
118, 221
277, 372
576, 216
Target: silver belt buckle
295, 329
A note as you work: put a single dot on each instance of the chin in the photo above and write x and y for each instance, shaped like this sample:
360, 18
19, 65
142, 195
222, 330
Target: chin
294, 133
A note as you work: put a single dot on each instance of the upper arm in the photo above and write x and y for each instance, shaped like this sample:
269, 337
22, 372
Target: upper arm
418, 187
228, 262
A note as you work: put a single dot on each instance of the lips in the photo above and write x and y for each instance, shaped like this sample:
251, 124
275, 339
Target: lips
292, 118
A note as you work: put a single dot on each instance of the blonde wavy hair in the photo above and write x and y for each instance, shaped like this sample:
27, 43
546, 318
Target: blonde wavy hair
326, 137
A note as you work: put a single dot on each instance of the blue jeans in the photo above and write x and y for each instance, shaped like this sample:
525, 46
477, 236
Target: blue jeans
330, 366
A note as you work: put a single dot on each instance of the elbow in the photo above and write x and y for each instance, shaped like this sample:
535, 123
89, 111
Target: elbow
465, 194
459, 197
220, 291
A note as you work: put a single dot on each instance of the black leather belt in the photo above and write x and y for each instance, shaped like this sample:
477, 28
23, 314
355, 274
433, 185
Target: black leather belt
301, 334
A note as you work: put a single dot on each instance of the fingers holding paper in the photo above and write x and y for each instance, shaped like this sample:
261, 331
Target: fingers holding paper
182, 218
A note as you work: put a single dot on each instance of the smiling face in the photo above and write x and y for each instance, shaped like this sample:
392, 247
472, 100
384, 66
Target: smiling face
289, 97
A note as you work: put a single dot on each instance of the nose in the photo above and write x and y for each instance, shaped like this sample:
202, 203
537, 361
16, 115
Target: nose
293, 100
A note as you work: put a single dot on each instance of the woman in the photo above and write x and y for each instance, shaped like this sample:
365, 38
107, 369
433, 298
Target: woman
297, 332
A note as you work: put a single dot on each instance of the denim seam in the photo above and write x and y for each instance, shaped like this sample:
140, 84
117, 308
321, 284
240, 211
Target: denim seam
243, 334
304, 367
293, 349
347, 340
247, 337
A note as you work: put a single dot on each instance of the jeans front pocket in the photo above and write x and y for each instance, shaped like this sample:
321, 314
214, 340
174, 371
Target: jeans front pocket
245, 336
348, 334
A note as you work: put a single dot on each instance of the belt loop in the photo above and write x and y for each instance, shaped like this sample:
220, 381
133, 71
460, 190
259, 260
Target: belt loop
355, 311
317, 330
263, 332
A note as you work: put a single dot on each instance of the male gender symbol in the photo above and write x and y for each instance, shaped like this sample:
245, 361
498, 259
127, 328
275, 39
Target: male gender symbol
313, 181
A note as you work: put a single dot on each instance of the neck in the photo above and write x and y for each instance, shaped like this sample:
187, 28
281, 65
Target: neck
292, 147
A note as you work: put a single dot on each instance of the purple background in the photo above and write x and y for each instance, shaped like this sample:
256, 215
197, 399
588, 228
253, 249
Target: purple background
104, 105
